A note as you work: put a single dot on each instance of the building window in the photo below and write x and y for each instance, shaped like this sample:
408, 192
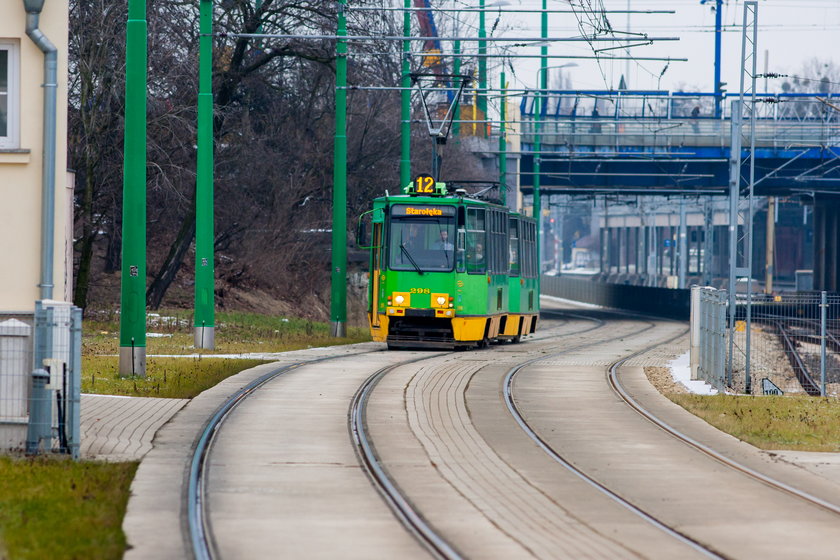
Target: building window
9, 95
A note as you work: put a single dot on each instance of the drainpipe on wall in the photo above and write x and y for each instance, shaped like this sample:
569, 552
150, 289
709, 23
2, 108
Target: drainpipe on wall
33, 11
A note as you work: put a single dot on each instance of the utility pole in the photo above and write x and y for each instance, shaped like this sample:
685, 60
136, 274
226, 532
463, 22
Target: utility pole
718, 31
456, 119
503, 144
708, 239
543, 86
405, 99
682, 265
770, 254
133, 282
205, 275
482, 67
734, 193
338, 276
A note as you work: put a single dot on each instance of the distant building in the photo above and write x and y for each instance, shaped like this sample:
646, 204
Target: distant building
21, 158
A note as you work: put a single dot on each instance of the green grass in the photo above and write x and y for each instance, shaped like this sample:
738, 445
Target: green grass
236, 333
53, 508
56, 508
176, 378
793, 422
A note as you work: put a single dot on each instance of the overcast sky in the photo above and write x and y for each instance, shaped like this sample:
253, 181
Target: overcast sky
791, 32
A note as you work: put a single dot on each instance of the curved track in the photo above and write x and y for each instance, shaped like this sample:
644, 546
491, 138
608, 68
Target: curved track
393, 496
201, 533
399, 503
201, 536
514, 410
619, 389
441, 381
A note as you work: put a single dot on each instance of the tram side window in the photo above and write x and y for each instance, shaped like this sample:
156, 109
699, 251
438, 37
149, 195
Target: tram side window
498, 242
492, 242
476, 241
513, 227
529, 248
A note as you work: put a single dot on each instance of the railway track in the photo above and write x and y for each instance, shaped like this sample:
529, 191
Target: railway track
796, 362
201, 536
619, 389
621, 392
399, 503
590, 480
405, 510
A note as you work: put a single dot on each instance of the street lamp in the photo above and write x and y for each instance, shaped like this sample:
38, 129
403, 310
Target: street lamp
541, 87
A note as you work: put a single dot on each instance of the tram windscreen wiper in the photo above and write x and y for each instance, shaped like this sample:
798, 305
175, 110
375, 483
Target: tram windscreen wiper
410, 258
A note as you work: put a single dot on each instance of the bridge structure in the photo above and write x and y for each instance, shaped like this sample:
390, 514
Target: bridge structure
649, 143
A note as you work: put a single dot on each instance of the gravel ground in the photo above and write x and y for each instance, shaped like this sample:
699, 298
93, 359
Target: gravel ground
661, 378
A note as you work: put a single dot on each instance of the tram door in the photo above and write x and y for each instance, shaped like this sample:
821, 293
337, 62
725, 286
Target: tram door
376, 271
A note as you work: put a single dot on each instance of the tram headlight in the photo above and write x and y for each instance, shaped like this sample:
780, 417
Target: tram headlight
399, 300
439, 300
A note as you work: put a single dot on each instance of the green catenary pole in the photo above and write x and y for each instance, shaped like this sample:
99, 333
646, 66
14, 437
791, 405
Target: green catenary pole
205, 277
503, 144
405, 114
543, 85
133, 282
456, 124
482, 67
338, 299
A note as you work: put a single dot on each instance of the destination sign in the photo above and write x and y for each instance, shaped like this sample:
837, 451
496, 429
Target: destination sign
422, 211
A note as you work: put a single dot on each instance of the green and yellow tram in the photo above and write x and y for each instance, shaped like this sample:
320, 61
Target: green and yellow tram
449, 271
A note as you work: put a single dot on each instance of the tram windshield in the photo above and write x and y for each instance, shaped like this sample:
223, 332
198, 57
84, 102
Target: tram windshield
422, 244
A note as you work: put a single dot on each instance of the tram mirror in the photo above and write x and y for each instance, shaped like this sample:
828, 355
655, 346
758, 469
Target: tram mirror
361, 234
364, 227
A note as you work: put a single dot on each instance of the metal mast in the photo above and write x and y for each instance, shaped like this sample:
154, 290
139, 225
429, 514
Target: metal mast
743, 108
133, 282
338, 276
205, 276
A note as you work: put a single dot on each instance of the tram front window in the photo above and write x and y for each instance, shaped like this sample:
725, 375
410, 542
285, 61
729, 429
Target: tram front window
423, 245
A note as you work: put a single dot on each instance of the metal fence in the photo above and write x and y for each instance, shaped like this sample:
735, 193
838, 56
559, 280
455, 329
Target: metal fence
786, 344
16, 336
659, 118
708, 336
40, 379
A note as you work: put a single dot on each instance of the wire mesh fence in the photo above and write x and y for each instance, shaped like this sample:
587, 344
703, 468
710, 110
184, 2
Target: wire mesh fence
711, 337
16, 335
788, 344
40, 379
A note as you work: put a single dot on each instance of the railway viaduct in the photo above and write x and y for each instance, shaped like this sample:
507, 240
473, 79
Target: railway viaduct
670, 144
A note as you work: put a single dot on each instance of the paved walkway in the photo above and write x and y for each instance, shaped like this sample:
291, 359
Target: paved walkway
122, 428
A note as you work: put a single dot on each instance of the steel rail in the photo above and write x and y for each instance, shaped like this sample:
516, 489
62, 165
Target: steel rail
200, 532
719, 457
400, 505
799, 367
507, 385
402, 508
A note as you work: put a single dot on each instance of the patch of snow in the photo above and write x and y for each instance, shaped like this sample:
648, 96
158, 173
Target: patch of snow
681, 372
158, 335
